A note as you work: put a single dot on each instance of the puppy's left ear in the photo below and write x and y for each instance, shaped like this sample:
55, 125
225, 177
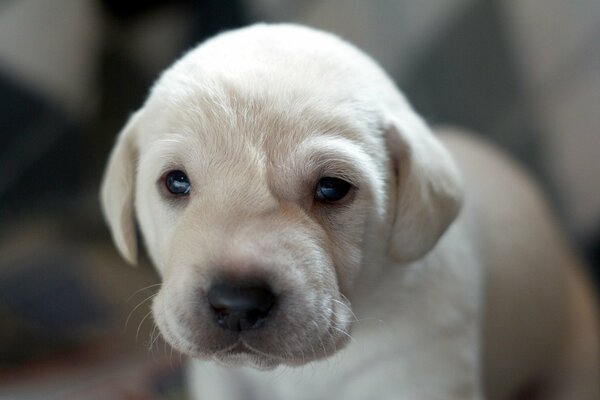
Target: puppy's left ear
117, 192
429, 188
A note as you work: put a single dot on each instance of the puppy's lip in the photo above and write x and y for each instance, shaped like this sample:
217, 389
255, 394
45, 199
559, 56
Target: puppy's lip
248, 348
241, 347
237, 348
241, 354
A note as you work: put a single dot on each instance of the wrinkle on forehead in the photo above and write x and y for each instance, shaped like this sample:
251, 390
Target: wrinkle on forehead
258, 105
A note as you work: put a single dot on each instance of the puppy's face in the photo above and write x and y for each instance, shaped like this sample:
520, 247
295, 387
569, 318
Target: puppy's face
262, 191
256, 224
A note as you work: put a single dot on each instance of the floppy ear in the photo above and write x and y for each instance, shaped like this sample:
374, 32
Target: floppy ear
117, 192
429, 187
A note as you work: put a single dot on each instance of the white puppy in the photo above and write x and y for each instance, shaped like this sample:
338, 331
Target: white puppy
301, 214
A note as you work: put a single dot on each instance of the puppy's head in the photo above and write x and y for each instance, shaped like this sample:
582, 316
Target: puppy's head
269, 169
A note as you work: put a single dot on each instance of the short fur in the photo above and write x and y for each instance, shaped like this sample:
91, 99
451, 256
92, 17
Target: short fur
441, 275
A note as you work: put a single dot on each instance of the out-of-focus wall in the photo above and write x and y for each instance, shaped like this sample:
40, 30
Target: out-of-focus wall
556, 46
52, 47
393, 32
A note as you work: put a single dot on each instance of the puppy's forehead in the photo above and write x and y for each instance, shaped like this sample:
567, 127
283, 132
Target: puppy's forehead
220, 116
258, 138
276, 76
282, 57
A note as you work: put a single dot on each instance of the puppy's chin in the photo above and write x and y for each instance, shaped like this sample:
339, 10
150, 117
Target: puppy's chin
245, 358
242, 355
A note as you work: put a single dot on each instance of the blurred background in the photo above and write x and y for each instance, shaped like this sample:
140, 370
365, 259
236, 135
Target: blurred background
74, 320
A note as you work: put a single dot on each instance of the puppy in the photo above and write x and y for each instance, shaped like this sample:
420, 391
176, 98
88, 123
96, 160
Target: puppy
317, 241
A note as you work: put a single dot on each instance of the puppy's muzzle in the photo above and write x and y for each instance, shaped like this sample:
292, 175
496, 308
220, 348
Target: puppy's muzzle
239, 307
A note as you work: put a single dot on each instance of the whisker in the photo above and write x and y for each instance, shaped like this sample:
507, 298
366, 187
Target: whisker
154, 338
140, 290
165, 348
153, 349
333, 341
135, 308
347, 307
171, 358
345, 333
320, 339
140, 325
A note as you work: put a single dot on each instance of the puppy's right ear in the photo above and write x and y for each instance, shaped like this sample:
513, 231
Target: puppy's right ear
117, 192
428, 185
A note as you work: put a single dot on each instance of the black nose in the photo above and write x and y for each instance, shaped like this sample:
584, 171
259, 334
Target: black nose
238, 307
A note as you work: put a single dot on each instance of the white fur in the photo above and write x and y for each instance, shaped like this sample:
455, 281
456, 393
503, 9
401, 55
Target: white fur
439, 264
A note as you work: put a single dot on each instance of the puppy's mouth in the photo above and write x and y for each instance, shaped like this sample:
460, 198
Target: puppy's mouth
296, 339
241, 353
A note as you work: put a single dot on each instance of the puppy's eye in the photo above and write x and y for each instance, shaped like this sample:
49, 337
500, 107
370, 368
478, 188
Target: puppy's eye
177, 183
332, 189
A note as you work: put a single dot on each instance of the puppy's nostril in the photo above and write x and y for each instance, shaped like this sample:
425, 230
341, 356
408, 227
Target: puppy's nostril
237, 307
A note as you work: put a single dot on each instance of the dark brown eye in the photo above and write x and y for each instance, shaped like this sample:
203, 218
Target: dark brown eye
178, 183
332, 189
